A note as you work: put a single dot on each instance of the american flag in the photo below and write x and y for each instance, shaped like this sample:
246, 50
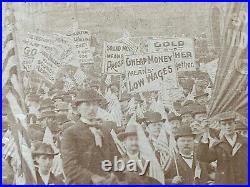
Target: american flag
12, 90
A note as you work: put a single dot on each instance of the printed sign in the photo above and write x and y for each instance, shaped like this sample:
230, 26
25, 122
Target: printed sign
31, 46
148, 71
113, 57
47, 66
182, 48
81, 41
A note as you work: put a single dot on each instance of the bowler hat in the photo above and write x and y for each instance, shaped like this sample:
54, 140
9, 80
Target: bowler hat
131, 130
184, 131
89, 95
41, 148
152, 117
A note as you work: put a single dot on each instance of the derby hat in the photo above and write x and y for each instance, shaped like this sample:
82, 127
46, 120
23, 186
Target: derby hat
41, 148
131, 130
89, 95
153, 117
184, 131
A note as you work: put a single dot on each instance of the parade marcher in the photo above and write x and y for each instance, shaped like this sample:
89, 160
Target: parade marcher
185, 168
154, 122
43, 155
174, 121
186, 115
84, 145
129, 138
230, 152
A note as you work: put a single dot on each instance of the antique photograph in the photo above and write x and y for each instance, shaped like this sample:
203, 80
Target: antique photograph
124, 93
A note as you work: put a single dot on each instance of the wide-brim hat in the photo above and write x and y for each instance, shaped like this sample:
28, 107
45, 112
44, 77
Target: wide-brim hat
131, 130
153, 117
41, 148
89, 95
184, 130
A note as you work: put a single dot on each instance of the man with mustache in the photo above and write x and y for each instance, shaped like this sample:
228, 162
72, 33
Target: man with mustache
185, 168
86, 144
231, 152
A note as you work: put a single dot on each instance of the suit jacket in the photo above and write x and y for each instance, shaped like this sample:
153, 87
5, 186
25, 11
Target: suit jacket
81, 157
52, 179
187, 173
231, 168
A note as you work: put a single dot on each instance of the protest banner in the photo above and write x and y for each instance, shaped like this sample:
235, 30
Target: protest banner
81, 41
32, 45
148, 71
182, 48
69, 53
47, 66
113, 53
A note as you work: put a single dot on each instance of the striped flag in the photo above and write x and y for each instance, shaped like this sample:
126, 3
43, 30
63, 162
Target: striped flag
13, 92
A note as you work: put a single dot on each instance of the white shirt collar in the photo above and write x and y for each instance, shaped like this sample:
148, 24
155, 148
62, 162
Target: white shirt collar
231, 140
45, 178
188, 161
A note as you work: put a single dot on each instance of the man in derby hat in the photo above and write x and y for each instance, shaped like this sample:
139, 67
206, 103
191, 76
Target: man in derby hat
185, 168
154, 122
230, 152
174, 121
46, 118
85, 145
43, 155
129, 138
187, 114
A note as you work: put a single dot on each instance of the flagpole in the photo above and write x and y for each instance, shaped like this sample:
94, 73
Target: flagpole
176, 167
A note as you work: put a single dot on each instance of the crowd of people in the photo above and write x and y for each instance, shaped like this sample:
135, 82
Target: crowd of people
82, 134
189, 148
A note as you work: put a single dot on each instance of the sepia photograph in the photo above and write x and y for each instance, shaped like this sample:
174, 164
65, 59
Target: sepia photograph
124, 93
